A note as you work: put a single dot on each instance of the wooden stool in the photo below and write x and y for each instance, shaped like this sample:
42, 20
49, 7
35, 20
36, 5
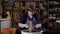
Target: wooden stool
9, 30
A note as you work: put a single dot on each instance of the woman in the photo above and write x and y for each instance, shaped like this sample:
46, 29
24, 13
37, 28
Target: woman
25, 20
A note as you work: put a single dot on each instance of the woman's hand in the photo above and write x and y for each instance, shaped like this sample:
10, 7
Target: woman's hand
38, 25
26, 26
23, 25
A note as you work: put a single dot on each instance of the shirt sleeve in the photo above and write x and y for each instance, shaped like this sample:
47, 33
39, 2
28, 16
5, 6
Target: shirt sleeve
37, 18
23, 18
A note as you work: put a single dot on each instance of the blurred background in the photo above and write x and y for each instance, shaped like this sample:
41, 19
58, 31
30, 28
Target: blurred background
47, 10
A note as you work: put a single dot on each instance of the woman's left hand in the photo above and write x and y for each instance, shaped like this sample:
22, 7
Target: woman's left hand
38, 25
26, 26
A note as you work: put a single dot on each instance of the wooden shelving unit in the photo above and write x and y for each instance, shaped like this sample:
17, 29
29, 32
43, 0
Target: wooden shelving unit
54, 8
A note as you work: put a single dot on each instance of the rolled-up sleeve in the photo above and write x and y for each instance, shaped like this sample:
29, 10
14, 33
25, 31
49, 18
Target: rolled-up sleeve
23, 18
37, 19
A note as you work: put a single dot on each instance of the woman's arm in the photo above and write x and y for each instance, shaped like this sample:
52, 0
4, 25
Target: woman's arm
22, 21
23, 25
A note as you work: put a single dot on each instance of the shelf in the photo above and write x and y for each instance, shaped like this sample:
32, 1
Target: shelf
54, 3
31, 0
26, 0
54, 7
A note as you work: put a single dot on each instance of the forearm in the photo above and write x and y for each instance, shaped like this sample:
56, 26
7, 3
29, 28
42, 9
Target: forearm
21, 25
38, 25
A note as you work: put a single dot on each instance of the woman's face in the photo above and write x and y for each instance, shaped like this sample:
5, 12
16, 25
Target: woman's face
30, 13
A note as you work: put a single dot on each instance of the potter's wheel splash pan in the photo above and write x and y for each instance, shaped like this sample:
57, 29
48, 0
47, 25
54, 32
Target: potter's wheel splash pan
33, 32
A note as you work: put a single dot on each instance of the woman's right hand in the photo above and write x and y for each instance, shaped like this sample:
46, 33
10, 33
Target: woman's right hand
23, 25
26, 26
